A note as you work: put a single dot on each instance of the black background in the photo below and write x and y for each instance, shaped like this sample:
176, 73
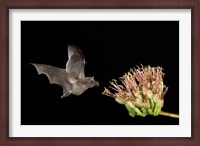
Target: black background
111, 48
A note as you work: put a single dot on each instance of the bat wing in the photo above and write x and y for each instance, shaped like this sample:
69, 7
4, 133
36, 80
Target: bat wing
56, 76
76, 64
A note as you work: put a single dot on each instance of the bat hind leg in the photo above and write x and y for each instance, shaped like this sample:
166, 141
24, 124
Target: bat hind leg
65, 93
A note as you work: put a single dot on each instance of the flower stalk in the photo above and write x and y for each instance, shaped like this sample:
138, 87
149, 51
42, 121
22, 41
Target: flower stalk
142, 91
169, 114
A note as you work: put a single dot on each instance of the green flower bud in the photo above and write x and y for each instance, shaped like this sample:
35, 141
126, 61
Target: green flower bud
120, 100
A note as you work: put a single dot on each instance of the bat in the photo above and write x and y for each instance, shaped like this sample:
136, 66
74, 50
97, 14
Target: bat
72, 79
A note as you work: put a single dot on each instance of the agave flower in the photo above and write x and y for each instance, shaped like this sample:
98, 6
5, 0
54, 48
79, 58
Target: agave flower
142, 91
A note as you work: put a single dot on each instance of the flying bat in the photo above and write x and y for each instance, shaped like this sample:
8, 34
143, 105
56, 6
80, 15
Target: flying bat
72, 79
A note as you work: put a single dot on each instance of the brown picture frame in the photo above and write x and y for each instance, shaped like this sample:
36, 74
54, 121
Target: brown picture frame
89, 4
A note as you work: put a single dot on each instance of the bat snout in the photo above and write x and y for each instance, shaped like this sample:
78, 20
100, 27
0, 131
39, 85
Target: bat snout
96, 83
